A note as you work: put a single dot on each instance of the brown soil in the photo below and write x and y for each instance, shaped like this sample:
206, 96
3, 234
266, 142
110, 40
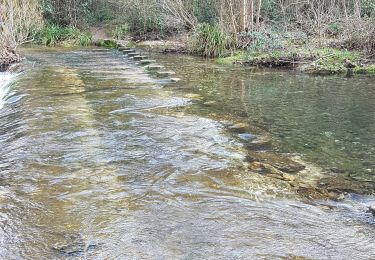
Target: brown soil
98, 33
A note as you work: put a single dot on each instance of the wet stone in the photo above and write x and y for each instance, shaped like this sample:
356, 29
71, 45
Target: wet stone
128, 51
270, 171
246, 136
165, 73
139, 57
193, 96
372, 208
209, 103
175, 80
154, 67
145, 62
132, 54
73, 245
239, 127
344, 184
121, 48
280, 162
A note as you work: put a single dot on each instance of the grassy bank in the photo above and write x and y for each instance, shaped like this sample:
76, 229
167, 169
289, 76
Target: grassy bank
56, 35
323, 61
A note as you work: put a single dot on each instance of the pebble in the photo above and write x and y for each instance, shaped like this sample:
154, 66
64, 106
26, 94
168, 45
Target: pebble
372, 208
239, 127
246, 136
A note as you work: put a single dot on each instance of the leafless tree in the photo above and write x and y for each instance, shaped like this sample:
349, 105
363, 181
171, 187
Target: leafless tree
18, 18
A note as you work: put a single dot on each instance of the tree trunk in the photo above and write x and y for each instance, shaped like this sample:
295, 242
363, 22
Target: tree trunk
258, 14
244, 15
252, 15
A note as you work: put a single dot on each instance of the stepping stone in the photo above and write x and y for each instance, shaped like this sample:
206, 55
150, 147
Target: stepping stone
154, 67
128, 51
175, 80
140, 57
165, 73
132, 54
124, 48
146, 62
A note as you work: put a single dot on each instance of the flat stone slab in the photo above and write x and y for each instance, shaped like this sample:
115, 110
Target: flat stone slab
146, 62
124, 48
155, 67
132, 54
175, 80
128, 51
140, 57
165, 73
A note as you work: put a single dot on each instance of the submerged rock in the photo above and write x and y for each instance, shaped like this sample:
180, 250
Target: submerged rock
270, 171
146, 62
239, 127
73, 245
139, 57
154, 67
175, 80
279, 162
209, 103
372, 208
193, 96
246, 136
165, 73
344, 184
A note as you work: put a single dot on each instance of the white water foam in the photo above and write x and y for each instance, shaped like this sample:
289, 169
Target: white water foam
5, 79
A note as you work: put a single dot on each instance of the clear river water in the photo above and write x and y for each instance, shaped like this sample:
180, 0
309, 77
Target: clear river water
101, 159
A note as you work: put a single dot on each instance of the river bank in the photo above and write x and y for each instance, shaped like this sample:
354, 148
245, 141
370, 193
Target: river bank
311, 60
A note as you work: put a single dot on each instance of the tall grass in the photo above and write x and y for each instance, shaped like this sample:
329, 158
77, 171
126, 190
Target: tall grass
53, 34
209, 41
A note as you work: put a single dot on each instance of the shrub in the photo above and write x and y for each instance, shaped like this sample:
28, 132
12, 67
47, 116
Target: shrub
107, 44
120, 32
18, 22
53, 34
209, 41
359, 34
264, 42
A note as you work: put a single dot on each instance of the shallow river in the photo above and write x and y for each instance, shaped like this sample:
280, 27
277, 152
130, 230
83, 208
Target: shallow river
100, 159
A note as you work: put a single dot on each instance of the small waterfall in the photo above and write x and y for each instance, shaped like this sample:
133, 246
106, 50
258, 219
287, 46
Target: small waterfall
5, 79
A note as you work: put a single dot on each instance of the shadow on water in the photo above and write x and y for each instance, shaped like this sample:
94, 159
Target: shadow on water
101, 160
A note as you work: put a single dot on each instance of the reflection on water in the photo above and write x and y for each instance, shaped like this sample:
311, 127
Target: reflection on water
330, 120
101, 160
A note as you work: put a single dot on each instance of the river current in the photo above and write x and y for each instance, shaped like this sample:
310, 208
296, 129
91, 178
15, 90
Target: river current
100, 159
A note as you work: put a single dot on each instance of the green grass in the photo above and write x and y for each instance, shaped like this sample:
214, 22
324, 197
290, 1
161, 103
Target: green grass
52, 34
209, 41
332, 61
369, 70
237, 57
314, 60
107, 43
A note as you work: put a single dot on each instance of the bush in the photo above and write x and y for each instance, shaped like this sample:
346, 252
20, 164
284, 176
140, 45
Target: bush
107, 44
18, 22
209, 41
120, 32
359, 35
205, 11
53, 34
263, 42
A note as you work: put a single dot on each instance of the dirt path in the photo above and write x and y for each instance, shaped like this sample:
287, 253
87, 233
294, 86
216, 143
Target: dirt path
98, 33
